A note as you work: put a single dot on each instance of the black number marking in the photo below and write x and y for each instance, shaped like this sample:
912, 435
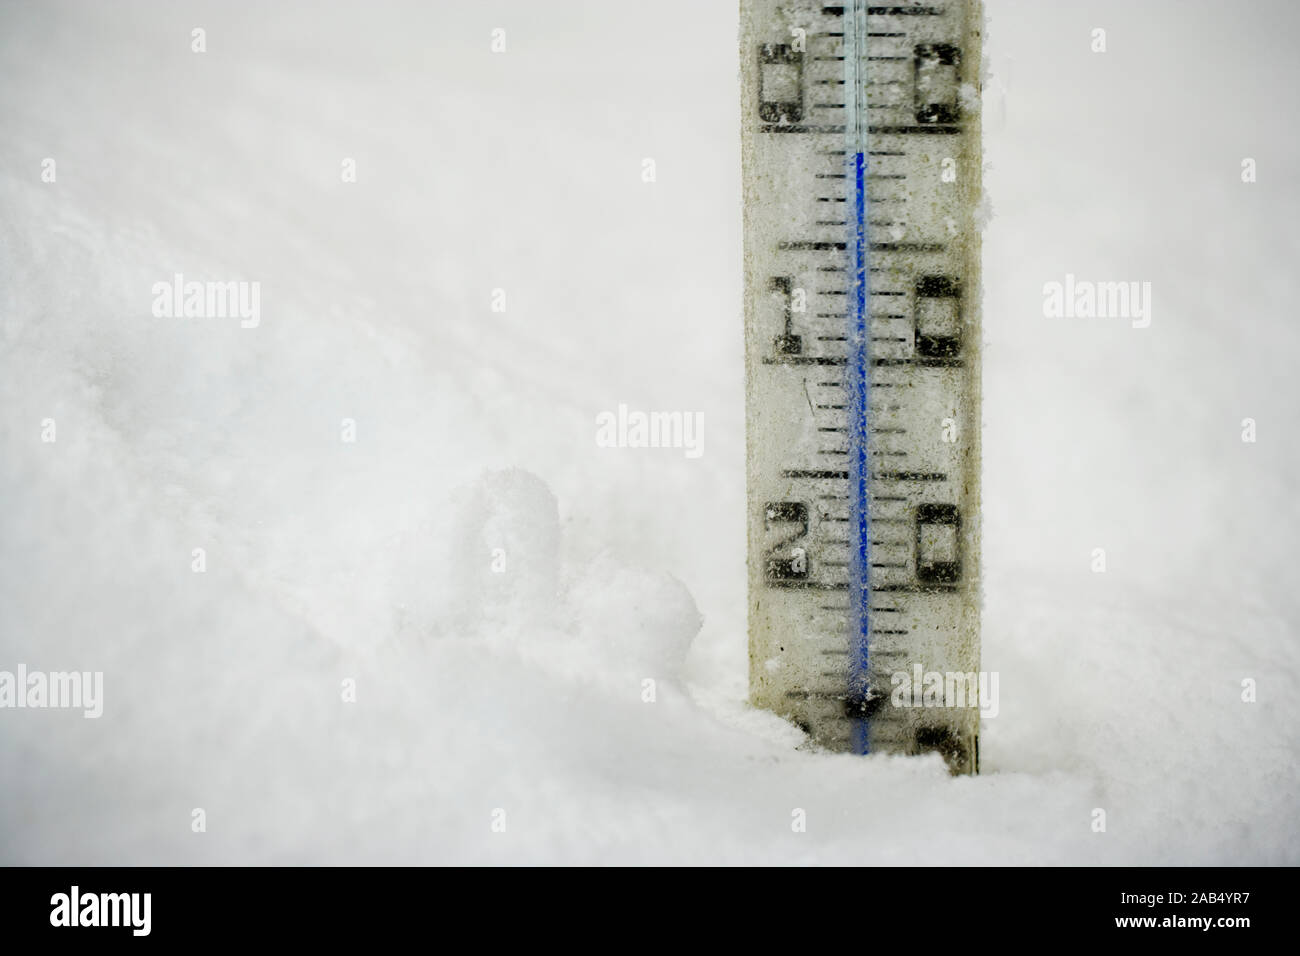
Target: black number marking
938, 317
945, 742
780, 84
938, 544
787, 343
783, 565
936, 84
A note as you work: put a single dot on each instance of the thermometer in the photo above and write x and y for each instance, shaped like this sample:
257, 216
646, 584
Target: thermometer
861, 153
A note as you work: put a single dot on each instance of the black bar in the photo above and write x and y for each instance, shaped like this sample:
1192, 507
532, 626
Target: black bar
346, 909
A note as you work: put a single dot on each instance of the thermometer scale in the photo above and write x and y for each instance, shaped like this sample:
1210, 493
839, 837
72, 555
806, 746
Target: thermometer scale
861, 151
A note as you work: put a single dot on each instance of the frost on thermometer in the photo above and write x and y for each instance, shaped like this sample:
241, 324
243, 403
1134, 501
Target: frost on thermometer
861, 148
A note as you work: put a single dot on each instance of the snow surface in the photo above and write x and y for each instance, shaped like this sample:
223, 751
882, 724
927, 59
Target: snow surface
522, 690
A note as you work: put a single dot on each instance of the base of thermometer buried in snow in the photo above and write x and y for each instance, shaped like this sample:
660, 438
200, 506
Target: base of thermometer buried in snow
861, 149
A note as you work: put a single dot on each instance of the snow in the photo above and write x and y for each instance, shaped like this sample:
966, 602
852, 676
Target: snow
524, 690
